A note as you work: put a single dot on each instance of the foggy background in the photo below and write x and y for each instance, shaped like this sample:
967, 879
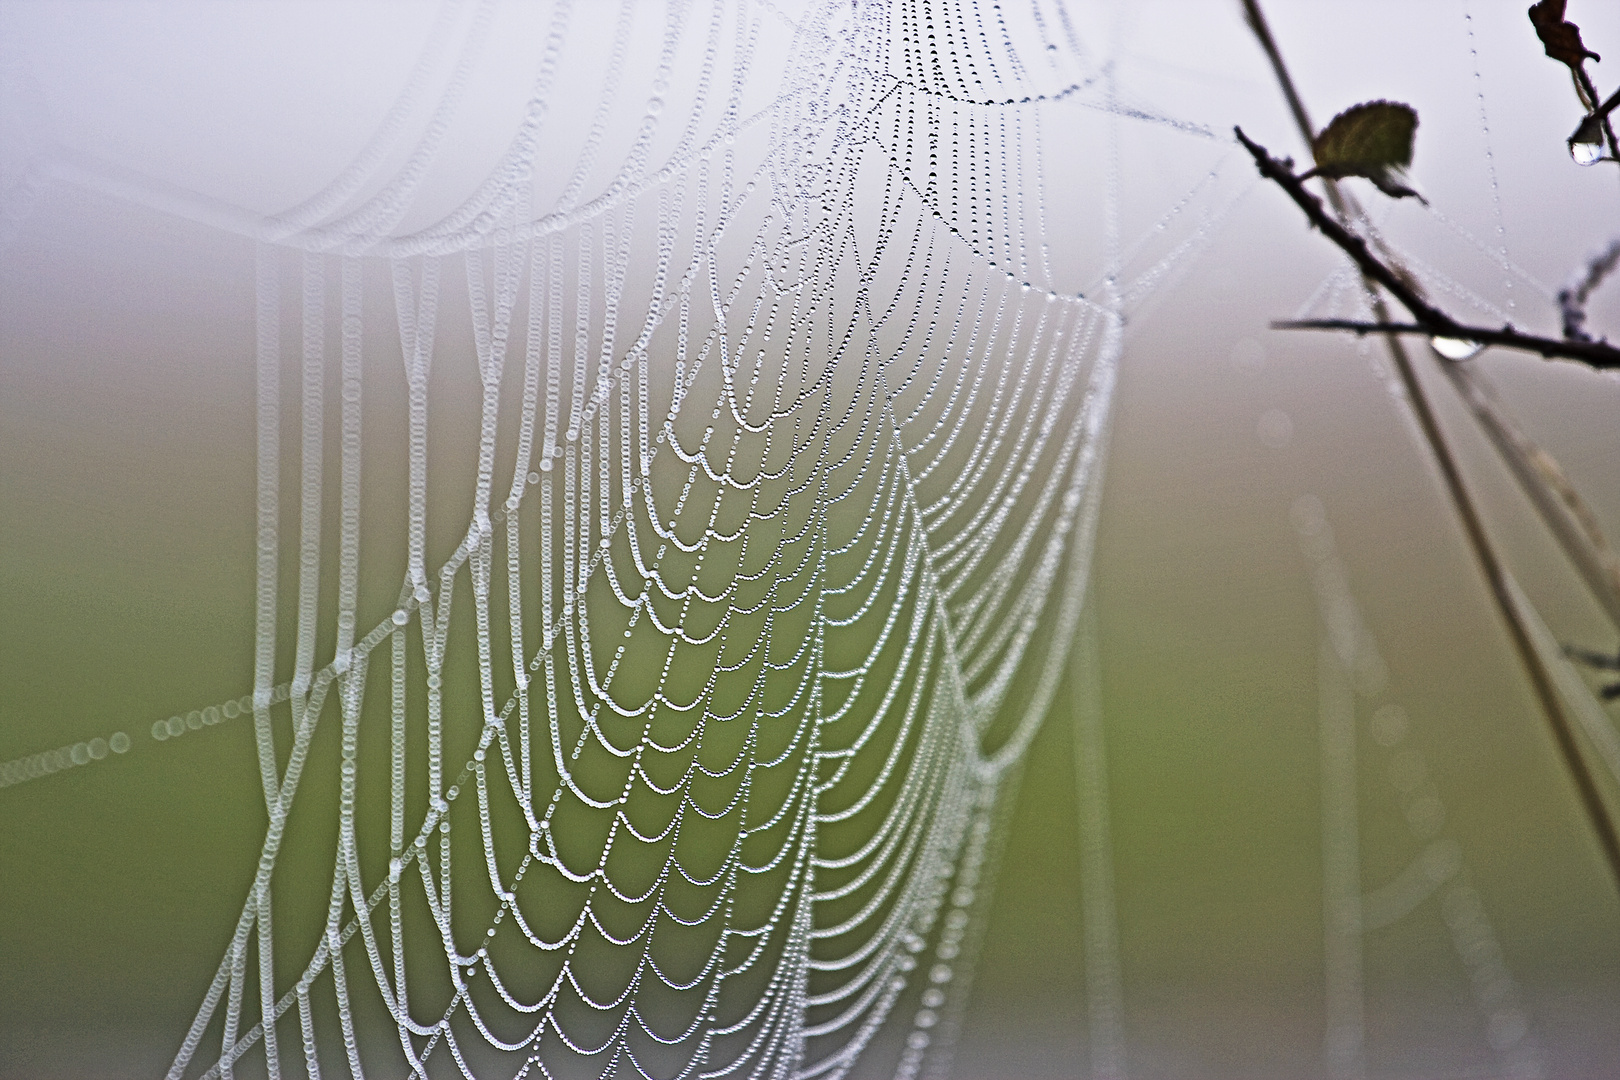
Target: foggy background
126, 527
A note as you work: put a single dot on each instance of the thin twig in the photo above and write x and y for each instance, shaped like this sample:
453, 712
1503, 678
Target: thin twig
1430, 319
1592, 801
1543, 481
1480, 335
1572, 297
1262, 30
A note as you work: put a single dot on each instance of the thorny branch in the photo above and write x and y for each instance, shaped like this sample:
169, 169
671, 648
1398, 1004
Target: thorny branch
1429, 319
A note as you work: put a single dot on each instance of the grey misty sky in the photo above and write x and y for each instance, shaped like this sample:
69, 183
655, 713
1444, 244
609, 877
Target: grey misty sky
1203, 594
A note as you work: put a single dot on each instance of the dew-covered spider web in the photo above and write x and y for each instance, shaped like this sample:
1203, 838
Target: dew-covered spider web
658, 702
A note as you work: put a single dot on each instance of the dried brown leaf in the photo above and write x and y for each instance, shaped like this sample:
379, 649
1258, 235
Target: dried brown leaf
1561, 38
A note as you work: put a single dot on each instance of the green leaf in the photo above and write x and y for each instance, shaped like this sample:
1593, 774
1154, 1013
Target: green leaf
1371, 140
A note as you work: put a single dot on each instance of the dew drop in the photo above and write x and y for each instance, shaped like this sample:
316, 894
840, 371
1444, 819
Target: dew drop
1586, 145
1455, 348
1586, 153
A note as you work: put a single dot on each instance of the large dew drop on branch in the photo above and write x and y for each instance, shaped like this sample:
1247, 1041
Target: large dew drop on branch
1455, 348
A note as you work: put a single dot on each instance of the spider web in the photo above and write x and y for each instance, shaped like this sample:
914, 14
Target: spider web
690, 758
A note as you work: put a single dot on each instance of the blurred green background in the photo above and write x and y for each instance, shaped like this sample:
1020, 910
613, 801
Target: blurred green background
126, 487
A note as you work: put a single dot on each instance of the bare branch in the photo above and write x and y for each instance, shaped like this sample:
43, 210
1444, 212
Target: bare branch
1430, 320
1506, 337
1591, 798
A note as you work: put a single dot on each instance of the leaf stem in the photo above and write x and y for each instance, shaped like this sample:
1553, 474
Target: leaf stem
1589, 95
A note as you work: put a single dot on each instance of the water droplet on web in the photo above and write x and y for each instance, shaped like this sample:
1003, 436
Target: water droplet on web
1455, 348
